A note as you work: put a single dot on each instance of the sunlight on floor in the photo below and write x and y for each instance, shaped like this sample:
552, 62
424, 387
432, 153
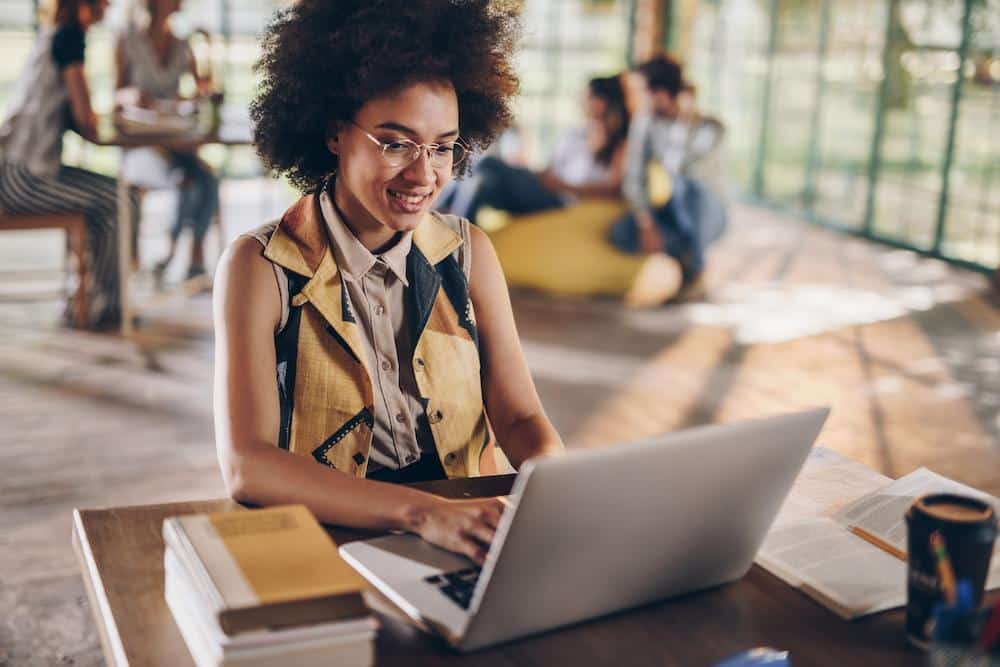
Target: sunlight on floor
774, 313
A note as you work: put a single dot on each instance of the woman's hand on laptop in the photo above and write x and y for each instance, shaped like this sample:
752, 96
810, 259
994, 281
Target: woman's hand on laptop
463, 526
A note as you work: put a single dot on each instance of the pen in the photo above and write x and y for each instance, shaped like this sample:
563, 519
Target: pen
945, 574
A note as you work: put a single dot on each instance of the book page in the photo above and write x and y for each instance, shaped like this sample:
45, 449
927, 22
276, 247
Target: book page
883, 514
835, 567
827, 482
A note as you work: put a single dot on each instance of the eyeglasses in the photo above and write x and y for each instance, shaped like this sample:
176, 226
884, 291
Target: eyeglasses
402, 152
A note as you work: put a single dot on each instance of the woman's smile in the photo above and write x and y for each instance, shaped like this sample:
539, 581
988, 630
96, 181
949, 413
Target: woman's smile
409, 201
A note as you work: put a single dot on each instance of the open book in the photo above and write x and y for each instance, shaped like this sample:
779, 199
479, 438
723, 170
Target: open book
824, 539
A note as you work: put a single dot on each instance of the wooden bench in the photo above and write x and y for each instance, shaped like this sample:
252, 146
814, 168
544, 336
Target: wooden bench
76, 244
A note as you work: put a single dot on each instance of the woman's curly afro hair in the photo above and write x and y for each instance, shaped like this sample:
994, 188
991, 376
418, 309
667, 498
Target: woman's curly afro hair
323, 59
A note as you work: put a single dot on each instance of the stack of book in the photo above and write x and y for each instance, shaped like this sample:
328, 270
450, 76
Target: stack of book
264, 587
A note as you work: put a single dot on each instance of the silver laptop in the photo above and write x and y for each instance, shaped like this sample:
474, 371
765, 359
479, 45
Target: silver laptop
601, 530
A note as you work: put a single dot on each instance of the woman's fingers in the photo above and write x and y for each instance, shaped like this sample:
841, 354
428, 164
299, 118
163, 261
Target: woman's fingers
480, 531
467, 545
474, 550
490, 514
466, 527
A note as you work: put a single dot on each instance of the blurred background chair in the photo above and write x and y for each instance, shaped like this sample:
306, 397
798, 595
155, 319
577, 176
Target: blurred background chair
72, 224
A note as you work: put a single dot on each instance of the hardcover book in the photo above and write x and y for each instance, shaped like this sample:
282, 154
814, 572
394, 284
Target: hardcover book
265, 568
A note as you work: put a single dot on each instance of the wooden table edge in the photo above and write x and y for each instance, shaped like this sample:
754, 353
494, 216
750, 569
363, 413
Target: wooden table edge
107, 629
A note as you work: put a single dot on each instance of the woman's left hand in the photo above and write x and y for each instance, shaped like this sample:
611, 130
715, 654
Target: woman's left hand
463, 526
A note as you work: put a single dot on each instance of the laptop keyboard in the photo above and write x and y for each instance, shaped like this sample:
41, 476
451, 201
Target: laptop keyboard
457, 585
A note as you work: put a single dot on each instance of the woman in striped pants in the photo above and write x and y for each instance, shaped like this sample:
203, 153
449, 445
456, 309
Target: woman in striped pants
50, 97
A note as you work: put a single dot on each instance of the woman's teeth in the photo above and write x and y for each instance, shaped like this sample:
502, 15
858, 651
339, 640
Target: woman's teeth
409, 200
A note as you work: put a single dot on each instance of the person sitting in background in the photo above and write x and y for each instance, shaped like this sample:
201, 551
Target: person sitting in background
669, 132
150, 64
50, 97
588, 162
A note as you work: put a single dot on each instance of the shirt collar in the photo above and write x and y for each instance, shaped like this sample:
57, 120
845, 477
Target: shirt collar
353, 258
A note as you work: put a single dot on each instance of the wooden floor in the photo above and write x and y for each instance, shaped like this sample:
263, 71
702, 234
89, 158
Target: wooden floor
905, 350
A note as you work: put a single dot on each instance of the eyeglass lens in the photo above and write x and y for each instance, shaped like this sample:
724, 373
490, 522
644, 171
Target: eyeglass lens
404, 151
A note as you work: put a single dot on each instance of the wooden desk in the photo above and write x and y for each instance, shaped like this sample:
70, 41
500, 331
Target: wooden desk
120, 551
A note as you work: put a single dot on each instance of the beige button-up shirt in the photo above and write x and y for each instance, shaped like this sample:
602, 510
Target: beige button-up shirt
376, 286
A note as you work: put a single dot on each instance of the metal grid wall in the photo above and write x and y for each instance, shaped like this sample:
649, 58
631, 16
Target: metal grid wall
565, 43
881, 118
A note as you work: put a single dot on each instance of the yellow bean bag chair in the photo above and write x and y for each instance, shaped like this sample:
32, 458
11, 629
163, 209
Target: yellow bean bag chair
565, 252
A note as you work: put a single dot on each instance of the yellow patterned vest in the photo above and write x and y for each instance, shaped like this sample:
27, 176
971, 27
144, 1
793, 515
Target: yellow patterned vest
324, 385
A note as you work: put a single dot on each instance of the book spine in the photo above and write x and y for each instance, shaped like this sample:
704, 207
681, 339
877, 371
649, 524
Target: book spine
177, 577
176, 536
230, 586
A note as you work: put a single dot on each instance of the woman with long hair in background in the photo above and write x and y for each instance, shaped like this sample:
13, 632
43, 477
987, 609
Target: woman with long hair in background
51, 96
587, 163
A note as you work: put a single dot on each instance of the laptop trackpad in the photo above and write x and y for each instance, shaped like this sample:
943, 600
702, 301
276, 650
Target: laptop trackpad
397, 565
402, 558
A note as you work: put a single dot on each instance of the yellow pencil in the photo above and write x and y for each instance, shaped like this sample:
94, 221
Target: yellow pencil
881, 544
946, 575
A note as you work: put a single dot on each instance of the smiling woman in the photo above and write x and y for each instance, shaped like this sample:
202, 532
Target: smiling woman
364, 339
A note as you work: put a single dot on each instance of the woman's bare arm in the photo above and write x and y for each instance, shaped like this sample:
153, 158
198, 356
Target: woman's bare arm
202, 84
121, 65
84, 119
512, 402
255, 470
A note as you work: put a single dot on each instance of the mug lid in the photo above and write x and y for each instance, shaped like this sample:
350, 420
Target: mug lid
954, 508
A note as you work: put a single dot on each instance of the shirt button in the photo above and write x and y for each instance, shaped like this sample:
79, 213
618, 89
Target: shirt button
419, 363
400, 417
379, 309
386, 365
450, 458
435, 417
410, 458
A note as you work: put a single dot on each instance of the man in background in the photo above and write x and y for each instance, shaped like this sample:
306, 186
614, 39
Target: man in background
668, 131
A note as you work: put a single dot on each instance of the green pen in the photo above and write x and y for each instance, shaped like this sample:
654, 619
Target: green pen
946, 575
